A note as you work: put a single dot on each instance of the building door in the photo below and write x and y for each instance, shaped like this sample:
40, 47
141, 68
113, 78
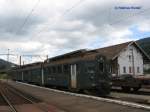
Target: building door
73, 76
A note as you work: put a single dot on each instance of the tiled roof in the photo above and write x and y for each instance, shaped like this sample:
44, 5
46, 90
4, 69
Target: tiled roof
111, 51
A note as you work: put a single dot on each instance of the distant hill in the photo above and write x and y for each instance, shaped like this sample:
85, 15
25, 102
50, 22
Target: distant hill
145, 44
5, 64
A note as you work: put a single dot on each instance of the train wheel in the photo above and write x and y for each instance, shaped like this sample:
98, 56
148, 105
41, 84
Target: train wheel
136, 88
104, 89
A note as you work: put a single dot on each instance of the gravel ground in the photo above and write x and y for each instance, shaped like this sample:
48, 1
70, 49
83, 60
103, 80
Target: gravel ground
69, 103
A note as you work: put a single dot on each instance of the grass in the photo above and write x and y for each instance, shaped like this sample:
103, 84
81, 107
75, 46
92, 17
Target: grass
3, 76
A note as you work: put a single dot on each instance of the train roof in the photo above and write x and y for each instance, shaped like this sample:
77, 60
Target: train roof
28, 65
31, 64
68, 55
73, 56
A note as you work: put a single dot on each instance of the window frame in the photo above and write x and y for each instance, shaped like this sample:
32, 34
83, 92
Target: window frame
124, 69
130, 69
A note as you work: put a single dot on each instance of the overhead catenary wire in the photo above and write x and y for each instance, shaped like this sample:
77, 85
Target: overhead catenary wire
27, 17
20, 56
78, 3
66, 12
63, 14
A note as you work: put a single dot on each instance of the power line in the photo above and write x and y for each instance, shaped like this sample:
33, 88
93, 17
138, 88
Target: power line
27, 17
65, 12
73, 7
23, 55
9, 54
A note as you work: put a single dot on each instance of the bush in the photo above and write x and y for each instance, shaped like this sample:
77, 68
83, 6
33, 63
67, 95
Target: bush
147, 71
3, 76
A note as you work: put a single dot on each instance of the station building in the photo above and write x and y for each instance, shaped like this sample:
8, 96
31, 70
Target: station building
125, 58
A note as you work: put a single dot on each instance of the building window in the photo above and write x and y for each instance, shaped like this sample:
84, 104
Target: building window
138, 69
130, 69
124, 69
130, 58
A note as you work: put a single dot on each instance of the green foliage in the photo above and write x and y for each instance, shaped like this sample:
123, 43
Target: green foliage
145, 44
3, 76
147, 71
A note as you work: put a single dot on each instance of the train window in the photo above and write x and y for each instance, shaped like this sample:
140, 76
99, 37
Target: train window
46, 70
101, 66
90, 69
54, 69
49, 70
59, 68
35, 71
66, 68
26, 72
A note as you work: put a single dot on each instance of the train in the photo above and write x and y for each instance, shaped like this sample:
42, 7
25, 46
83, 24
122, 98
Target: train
127, 83
76, 71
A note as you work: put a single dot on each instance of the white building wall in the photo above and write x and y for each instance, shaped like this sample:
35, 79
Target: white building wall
124, 61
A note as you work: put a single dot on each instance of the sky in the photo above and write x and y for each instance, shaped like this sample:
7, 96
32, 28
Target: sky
54, 27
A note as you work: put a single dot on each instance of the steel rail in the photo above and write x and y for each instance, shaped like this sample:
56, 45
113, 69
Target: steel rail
43, 109
8, 102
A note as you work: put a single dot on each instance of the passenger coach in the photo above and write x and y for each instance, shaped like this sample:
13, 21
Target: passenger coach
79, 70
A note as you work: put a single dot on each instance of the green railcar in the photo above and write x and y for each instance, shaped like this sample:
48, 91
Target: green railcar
76, 71
87, 71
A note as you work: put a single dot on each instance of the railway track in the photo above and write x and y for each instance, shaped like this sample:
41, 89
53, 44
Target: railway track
14, 99
11, 107
116, 96
75, 102
140, 97
111, 99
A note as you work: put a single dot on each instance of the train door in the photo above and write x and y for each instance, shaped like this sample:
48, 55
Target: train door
73, 76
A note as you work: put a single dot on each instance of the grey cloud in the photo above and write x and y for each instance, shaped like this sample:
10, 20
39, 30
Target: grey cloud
101, 15
12, 24
75, 30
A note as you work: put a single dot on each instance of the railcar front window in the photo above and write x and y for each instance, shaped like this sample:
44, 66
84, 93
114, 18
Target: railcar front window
90, 69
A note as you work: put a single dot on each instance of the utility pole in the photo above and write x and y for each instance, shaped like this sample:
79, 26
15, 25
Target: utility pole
20, 61
47, 57
7, 64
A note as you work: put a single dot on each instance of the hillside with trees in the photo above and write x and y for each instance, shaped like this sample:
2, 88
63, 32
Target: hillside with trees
145, 44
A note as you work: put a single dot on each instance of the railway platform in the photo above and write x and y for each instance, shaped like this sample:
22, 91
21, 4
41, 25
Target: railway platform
70, 102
